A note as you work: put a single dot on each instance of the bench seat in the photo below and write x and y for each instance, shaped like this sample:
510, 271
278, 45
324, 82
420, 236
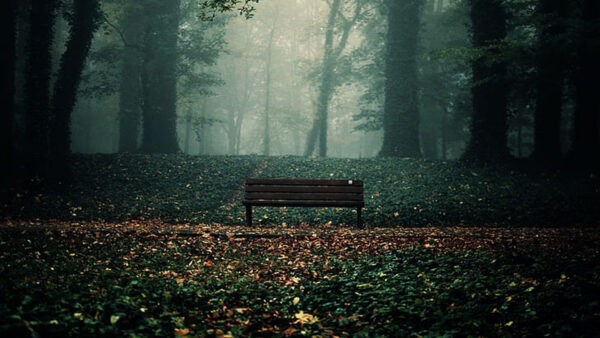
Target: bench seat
279, 192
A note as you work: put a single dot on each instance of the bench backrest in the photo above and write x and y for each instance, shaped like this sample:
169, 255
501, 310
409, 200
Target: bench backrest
305, 192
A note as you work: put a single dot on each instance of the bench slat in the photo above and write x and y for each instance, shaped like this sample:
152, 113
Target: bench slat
286, 181
299, 188
304, 196
304, 203
284, 192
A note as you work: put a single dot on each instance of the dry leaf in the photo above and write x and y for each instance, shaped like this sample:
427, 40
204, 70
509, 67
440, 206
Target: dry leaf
181, 332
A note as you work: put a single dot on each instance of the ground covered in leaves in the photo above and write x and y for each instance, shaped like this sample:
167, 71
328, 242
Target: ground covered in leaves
154, 245
398, 192
158, 279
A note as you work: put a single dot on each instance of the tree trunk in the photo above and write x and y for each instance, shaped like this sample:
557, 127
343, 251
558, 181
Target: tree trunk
520, 139
439, 6
551, 64
130, 88
430, 6
37, 85
230, 131
267, 135
319, 129
188, 130
199, 128
311, 139
82, 28
586, 138
238, 132
401, 106
159, 78
429, 144
489, 90
444, 133
8, 36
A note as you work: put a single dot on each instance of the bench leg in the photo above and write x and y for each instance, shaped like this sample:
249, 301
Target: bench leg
359, 216
249, 215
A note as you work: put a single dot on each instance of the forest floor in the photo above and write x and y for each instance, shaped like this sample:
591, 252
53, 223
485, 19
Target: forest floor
154, 245
144, 279
183, 189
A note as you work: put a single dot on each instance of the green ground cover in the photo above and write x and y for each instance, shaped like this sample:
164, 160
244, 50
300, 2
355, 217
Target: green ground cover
329, 282
408, 192
154, 245
119, 187
399, 192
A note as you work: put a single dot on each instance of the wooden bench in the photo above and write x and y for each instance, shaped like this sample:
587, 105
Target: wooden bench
280, 192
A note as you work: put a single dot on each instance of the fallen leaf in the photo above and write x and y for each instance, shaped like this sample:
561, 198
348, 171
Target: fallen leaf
305, 318
114, 319
290, 331
181, 332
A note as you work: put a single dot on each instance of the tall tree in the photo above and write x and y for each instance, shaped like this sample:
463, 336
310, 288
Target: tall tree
401, 105
37, 85
130, 90
159, 76
551, 65
8, 39
489, 89
82, 27
269, 51
327, 79
586, 139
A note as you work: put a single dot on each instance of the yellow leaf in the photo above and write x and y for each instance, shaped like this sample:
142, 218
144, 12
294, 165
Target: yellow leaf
305, 318
296, 300
241, 309
181, 332
114, 319
509, 323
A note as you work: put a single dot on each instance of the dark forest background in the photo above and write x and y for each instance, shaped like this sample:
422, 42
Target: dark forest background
482, 81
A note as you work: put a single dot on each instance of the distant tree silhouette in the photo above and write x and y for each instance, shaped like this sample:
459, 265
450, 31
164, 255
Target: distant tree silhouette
487, 143
401, 106
81, 32
8, 39
586, 140
551, 62
37, 86
130, 90
159, 76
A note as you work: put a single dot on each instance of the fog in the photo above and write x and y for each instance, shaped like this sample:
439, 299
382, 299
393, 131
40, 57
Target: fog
435, 79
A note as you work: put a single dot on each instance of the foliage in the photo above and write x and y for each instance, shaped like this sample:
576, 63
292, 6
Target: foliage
118, 187
211, 8
398, 192
331, 282
407, 192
